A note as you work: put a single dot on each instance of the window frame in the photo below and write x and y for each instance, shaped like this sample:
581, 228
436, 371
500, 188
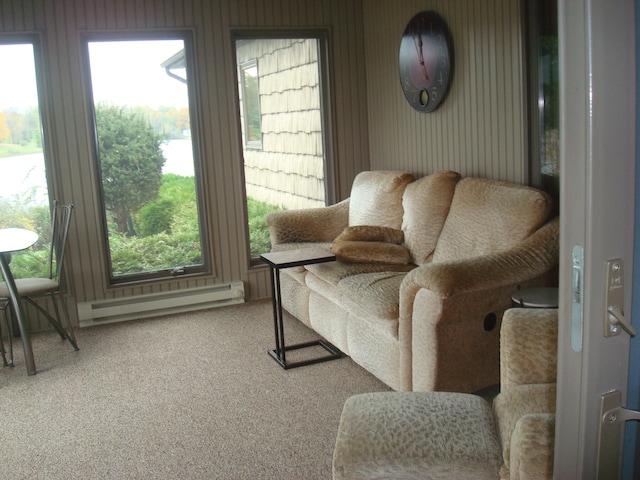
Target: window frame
322, 36
35, 39
188, 37
249, 143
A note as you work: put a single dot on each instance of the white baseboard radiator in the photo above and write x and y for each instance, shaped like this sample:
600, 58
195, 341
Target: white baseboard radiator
175, 301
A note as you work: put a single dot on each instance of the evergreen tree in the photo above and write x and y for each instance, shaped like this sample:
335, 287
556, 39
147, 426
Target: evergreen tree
131, 163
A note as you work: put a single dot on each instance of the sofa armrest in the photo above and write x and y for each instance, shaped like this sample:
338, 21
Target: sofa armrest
533, 257
532, 445
528, 347
450, 312
519, 412
321, 224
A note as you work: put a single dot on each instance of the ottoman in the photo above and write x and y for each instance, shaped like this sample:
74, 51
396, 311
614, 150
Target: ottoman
411, 435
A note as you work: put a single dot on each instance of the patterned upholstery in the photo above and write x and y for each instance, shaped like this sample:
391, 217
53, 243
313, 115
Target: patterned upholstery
436, 435
376, 198
421, 325
483, 211
444, 435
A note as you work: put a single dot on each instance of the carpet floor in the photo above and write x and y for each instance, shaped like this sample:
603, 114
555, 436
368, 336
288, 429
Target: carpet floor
185, 396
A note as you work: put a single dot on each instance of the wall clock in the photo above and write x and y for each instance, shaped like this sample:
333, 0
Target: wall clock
426, 61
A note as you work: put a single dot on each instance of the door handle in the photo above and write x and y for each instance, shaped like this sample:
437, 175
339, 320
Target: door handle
616, 317
612, 418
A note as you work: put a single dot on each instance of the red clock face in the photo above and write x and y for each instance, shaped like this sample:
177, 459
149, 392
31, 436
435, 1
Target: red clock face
425, 61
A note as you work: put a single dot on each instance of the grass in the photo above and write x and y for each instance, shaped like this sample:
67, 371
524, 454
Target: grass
12, 149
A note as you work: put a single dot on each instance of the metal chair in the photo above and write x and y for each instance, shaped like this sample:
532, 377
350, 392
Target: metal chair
31, 289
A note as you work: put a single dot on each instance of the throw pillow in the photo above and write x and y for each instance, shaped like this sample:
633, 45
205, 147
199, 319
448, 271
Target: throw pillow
371, 233
357, 251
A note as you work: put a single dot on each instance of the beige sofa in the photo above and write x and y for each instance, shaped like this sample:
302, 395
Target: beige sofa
444, 435
419, 302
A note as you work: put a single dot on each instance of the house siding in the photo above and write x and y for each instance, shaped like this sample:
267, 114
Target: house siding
288, 169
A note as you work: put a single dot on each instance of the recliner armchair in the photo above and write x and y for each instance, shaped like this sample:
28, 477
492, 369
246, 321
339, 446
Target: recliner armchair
444, 435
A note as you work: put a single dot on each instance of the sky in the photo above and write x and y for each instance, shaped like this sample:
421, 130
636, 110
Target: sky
17, 77
129, 73
123, 73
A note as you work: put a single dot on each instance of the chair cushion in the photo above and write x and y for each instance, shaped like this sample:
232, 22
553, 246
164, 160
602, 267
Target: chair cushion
488, 216
30, 286
406, 435
426, 205
376, 198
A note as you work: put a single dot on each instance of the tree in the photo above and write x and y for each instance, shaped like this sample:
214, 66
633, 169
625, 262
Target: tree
131, 163
5, 133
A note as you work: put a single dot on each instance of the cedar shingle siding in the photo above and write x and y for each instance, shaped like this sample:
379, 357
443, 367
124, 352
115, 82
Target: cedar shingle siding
288, 170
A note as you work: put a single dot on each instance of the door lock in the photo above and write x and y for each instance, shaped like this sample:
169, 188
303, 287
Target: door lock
614, 319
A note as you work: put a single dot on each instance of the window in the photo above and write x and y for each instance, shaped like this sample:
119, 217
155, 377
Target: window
545, 96
24, 194
281, 104
147, 162
250, 99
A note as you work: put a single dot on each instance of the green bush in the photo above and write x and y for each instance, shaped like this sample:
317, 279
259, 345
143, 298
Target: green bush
156, 217
156, 252
258, 229
168, 232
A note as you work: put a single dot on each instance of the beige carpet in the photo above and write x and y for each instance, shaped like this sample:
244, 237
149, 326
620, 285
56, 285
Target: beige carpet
188, 396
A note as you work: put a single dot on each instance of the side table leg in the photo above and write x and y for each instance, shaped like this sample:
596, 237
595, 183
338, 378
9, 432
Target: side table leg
274, 302
280, 322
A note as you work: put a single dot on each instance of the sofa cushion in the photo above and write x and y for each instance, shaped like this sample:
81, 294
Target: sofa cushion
333, 272
374, 296
488, 216
426, 205
370, 252
376, 198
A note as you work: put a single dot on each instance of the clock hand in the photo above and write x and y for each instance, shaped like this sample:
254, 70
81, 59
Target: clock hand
418, 45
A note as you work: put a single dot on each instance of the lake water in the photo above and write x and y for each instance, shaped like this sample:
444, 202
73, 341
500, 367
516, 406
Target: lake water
24, 174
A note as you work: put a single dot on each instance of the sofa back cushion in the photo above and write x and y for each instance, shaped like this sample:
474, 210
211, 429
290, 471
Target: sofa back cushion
376, 198
488, 216
426, 205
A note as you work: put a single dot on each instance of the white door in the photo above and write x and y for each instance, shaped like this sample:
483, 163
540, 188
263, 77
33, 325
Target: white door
598, 98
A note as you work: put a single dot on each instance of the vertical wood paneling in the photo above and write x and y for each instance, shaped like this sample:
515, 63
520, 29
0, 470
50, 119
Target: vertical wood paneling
479, 129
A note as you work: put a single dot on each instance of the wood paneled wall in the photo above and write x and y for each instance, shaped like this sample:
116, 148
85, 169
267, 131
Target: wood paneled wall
480, 129
60, 25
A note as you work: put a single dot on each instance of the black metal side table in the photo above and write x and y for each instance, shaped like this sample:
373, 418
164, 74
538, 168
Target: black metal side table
287, 259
